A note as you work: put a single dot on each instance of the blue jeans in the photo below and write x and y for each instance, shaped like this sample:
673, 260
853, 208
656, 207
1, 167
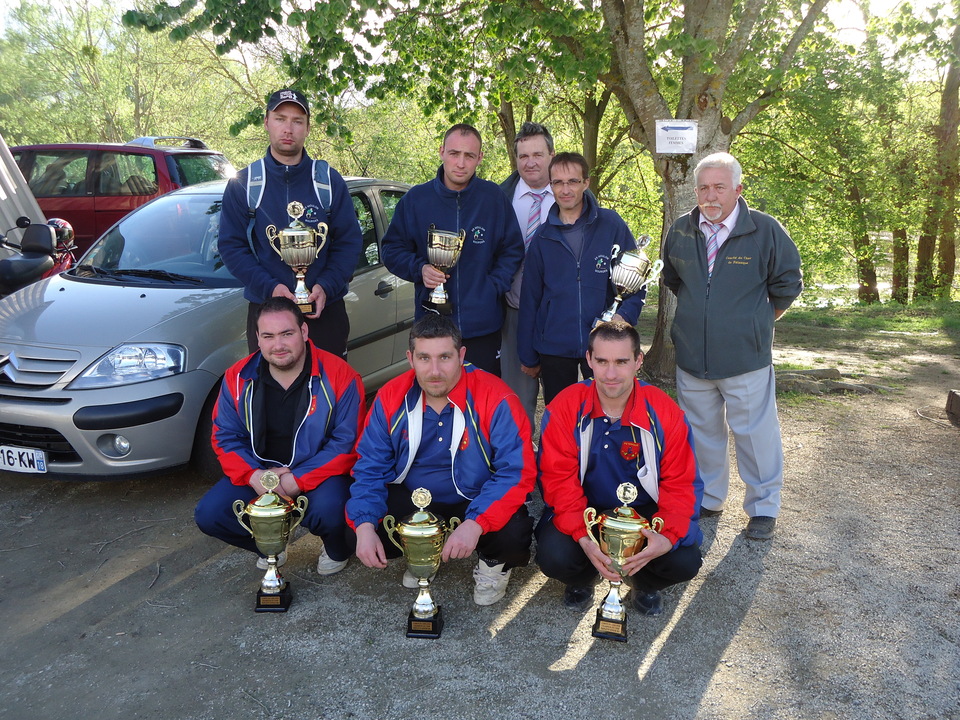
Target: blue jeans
324, 515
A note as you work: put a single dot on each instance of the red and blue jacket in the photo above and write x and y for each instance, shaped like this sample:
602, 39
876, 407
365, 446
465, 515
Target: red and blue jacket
325, 438
668, 474
492, 465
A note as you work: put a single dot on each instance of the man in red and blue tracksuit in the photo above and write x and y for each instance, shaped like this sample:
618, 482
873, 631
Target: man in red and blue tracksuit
460, 433
597, 435
293, 409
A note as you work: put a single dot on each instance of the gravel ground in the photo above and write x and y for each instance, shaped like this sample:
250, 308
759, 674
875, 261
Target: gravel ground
116, 607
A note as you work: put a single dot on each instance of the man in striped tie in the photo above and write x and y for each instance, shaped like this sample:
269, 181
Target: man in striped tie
734, 270
528, 188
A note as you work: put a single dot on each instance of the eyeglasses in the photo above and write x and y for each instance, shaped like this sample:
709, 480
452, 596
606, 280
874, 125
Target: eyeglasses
557, 184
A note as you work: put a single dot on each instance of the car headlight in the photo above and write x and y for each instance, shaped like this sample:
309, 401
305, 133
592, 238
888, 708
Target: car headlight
132, 364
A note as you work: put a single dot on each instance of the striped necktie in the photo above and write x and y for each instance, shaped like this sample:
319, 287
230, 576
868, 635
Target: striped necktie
533, 219
712, 246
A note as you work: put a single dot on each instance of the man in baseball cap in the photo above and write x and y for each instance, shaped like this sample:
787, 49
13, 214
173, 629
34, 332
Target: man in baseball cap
259, 202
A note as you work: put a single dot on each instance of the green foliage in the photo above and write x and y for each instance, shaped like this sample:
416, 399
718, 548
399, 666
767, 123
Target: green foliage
74, 74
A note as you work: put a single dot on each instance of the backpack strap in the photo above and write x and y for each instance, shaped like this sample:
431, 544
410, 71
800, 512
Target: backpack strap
256, 184
321, 184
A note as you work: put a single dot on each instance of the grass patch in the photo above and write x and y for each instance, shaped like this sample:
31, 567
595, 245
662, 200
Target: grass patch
939, 316
788, 366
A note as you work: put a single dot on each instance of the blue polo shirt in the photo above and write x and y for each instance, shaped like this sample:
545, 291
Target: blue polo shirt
431, 466
615, 457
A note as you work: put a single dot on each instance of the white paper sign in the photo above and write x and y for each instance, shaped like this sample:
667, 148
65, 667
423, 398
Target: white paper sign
676, 137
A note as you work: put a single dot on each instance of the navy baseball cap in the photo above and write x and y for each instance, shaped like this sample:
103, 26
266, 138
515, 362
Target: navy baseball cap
288, 95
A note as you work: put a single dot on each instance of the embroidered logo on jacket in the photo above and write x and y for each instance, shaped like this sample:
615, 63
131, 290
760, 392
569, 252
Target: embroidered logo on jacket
465, 441
629, 450
479, 234
601, 264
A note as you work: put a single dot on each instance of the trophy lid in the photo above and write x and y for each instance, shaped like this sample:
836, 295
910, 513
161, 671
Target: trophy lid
422, 518
270, 503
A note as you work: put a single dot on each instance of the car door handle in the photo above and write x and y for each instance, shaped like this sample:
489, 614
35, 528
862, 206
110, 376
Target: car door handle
383, 289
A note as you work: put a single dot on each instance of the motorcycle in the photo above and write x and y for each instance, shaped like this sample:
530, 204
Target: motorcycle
43, 251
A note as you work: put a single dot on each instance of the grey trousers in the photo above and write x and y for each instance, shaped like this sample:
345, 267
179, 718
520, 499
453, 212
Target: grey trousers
747, 405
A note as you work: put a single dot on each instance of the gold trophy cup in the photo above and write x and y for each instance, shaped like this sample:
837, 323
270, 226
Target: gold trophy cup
620, 538
630, 272
298, 246
443, 251
422, 535
269, 518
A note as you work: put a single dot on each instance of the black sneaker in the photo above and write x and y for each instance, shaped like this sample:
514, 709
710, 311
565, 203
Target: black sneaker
648, 603
578, 597
761, 528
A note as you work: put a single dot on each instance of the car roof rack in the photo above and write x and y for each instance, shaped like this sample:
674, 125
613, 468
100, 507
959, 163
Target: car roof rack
154, 141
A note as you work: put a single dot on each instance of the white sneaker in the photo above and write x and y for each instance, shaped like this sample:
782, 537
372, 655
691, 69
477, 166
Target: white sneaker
491, 582
328, 566
281, 559
410, 581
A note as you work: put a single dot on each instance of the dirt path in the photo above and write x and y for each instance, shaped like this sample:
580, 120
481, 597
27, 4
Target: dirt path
114, 606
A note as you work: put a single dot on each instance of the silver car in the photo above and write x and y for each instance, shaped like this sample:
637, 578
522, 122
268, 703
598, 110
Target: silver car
113, 367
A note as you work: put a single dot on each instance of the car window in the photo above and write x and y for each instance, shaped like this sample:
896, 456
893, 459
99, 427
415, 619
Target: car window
59, 173
390, 198
174, 234
126, 174
370, 254
194, 169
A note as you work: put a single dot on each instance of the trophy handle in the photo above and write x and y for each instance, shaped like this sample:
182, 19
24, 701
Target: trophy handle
272, 235
614, 252
321, 233
238, 509
302, 507
452, 525
390, 525
654, 271
590, 518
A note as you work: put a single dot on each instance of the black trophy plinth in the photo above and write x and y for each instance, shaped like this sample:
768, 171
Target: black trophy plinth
429, 628
610, 629
274, 602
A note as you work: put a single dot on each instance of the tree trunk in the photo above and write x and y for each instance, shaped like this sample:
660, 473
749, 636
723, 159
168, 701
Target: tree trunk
867, 291
508, 124
943, 201
901, 267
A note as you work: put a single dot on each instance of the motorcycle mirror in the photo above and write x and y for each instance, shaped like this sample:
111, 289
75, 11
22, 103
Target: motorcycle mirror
23, 221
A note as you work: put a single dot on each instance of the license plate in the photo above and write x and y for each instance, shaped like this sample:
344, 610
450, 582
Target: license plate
25, 460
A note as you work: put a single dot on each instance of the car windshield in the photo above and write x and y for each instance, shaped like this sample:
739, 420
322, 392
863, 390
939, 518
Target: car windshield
172, 240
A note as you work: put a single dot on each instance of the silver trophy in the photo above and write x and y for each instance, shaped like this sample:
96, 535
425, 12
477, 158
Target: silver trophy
443, 251
630, 272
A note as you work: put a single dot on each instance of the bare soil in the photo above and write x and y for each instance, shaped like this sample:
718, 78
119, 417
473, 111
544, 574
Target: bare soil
114, 605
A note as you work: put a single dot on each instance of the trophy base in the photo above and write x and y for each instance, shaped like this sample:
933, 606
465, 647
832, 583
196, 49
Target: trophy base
429, 628
609, 629
274, 602
307, 308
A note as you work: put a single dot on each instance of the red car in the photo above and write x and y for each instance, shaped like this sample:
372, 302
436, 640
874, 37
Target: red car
93, 185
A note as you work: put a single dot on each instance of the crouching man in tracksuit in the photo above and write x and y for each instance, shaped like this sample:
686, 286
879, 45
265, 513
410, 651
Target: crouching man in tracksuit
293, 409
596, 435
462, 434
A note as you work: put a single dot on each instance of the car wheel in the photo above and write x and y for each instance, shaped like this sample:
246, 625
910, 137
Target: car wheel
203, 459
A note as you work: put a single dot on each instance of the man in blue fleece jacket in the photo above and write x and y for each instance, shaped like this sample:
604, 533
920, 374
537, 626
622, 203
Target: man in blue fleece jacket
289, 175
456, 199
566, 279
